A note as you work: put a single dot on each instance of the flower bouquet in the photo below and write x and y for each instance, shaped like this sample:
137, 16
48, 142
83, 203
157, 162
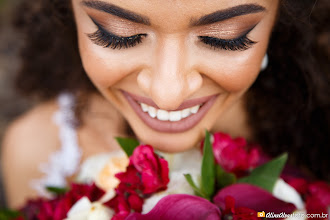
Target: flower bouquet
227, 179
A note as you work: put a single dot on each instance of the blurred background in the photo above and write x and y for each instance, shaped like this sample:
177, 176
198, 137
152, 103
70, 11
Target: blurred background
11, 105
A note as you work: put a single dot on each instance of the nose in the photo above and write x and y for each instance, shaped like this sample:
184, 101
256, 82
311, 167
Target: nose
171, 78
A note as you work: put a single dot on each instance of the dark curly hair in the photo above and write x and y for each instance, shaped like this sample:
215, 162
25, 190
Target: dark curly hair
288, 105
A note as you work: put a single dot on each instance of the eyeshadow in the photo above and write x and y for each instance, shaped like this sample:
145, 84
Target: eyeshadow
115, 24
231, 28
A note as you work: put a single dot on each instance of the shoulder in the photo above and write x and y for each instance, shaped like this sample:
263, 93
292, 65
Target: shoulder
28, 141
33, 128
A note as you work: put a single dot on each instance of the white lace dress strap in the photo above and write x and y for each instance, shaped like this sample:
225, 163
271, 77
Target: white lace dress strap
64, 162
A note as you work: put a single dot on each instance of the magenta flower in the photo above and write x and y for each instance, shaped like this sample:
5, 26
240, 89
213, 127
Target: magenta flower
252, 197
124, 203
234, 213
299, 184
130, 179
237, 201
57, 209
180, 207
147, 173
316, 194
153, 169
318, 198
234, 155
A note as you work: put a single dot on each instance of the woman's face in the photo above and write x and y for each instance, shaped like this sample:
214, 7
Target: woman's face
173, 68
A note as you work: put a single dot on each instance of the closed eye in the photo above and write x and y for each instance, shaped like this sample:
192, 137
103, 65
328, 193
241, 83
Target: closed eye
240, 43
103, 38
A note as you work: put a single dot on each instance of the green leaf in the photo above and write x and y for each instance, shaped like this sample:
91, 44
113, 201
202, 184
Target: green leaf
127, 144
224, 178
208, 168
189, 179
267, 174
57, 190
9, 214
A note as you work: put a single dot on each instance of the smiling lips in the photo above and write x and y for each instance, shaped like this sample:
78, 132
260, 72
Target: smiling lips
184, 118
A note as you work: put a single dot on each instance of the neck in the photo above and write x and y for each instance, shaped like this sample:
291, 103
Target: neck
103, 121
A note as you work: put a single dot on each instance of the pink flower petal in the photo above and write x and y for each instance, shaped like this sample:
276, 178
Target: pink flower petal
245, 213
300, 184
153, 169
318, 198
252, 197
180, 207
235, 155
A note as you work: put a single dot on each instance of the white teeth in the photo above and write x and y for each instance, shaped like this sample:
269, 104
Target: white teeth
164, 115
152, 111
194, 109
185, 113
175, 116
144, 107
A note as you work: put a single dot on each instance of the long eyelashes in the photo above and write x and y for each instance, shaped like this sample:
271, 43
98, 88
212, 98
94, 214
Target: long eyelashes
103, 38
241, 43
108, 40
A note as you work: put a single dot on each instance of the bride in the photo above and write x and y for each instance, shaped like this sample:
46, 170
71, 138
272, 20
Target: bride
164, 71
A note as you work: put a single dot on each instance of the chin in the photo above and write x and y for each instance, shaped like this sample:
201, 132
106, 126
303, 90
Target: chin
171, 143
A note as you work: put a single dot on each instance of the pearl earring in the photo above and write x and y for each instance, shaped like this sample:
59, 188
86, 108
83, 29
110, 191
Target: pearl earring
264, 63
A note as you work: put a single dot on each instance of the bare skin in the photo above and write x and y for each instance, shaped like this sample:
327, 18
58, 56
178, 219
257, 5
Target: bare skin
170, 66
24, 149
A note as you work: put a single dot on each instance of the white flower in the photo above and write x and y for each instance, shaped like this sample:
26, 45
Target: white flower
85, 210
152, 201
177, 185
188, 160
287, 193
101, 169
179, 164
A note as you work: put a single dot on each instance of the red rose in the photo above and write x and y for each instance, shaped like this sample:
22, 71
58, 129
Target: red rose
245, 213
234, 155
153, 169
318, 199
147, 173
57, 208
299, 184
124, 202
130, 179
120, 205
91, 191
238, 213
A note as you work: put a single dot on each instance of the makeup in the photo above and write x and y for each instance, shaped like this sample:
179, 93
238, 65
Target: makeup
179, 120
219, 30
106, 39
172, 52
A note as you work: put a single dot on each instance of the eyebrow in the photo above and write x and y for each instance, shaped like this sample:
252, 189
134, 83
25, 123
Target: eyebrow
116, 11
225, 14
214, 17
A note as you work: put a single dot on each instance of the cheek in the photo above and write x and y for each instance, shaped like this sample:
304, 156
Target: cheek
234, 71
104, 70
239, 75
105, 66
233, 76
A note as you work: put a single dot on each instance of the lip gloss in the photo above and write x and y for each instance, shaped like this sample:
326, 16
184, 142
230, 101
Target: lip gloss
171, 126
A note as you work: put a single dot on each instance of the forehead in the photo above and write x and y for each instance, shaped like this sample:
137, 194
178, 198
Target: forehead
170, 12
